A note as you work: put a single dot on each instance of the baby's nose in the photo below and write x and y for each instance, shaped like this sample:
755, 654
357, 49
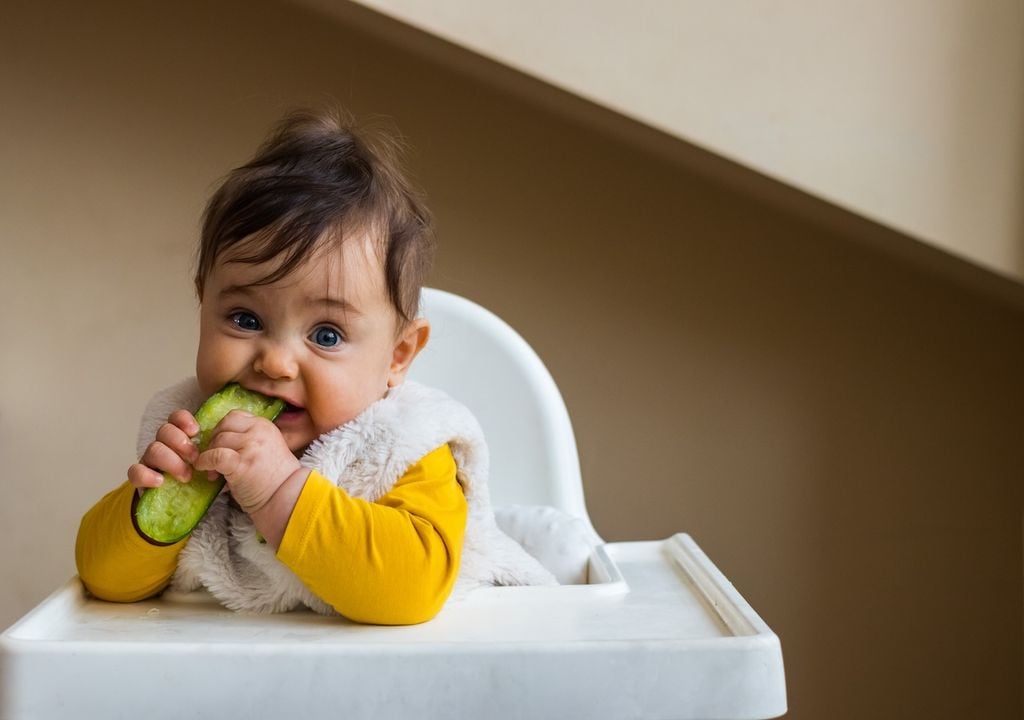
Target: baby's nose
276, 361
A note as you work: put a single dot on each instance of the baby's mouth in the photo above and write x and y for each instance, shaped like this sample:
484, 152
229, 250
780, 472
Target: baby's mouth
290, 412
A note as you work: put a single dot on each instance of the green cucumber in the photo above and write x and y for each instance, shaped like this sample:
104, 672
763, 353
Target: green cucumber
168, 513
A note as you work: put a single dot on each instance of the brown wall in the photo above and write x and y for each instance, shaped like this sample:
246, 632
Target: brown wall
909, 112
839, 430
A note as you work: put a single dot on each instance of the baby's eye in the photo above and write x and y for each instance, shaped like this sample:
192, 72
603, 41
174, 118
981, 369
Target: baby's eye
246, 321
326, 336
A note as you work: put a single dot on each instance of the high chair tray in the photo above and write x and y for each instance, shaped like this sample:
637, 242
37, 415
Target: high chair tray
659, 632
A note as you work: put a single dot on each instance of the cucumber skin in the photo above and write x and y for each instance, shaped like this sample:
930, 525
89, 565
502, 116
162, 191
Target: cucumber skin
167, 514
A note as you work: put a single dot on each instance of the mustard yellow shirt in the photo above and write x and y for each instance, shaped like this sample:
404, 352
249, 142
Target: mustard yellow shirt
391, 562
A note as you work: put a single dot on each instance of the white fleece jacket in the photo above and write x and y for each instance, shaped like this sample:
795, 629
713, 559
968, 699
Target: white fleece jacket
365, 457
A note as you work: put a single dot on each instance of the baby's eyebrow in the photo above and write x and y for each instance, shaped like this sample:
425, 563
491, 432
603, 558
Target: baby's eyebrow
235, 290
334, 303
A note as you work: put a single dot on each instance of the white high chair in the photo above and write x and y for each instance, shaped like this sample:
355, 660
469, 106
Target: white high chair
648, 630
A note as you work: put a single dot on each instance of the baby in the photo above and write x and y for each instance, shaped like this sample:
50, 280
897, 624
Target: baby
367, 495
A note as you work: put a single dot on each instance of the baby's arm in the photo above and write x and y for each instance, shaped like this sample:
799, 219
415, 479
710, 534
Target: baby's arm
114, 561
390, 562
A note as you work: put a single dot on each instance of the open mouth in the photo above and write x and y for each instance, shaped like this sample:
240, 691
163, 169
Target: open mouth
290, 414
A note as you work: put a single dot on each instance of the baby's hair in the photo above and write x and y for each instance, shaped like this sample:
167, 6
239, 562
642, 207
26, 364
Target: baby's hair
319, 177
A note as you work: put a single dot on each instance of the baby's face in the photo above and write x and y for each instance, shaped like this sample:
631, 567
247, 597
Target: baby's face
323, 338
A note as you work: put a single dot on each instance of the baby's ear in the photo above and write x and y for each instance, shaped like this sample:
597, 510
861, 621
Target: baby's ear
412, 338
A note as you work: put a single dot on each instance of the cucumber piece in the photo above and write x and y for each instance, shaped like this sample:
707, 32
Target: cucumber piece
168, 513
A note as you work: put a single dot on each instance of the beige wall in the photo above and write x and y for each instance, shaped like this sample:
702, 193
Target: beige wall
910, 113
839, 430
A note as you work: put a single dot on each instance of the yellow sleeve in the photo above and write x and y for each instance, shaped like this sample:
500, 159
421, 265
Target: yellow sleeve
114, 561
389, 562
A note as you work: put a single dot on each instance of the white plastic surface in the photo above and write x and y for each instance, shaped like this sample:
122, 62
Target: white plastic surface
660, 634
478, 359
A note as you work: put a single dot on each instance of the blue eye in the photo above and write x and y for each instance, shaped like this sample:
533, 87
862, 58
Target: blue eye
326, 336
246, 321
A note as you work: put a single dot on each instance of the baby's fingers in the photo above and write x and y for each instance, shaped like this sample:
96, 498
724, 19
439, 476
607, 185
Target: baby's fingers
159, 457
174, 438
185, 421
222, 460
141, 476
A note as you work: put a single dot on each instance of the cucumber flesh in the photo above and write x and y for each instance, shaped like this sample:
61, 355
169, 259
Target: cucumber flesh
168, 513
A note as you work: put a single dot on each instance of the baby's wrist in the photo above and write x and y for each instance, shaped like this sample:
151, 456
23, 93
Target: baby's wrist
272, 517
287, 493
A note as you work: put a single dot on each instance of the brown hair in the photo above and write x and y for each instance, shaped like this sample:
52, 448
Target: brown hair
318, 176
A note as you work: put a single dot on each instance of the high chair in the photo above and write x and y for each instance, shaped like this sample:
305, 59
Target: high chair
637, 629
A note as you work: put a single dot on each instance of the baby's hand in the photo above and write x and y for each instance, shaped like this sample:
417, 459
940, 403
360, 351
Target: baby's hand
173, 452
251, 454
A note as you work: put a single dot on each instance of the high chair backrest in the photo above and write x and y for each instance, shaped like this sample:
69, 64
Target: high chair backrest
479, 360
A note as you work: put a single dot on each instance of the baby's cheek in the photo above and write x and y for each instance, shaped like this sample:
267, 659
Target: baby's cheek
208, 375
326, 417
218, 362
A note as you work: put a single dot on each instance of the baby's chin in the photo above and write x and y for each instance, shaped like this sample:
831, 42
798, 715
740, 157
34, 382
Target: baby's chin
296, 430
298, 446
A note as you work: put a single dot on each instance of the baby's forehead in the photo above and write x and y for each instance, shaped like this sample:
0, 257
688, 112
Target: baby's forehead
353, 267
